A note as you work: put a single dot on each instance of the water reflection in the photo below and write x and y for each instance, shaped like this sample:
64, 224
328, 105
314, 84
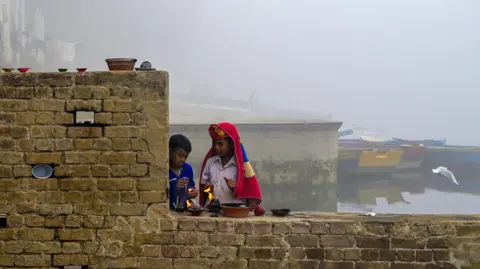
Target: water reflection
415, 193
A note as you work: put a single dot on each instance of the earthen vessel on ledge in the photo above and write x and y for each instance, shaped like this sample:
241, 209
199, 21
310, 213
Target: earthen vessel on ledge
121, 64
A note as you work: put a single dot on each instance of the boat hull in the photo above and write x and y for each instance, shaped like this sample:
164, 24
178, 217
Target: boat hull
364, 157
462, 161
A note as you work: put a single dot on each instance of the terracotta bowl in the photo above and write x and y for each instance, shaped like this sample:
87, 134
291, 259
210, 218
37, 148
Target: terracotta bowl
8, 70
235, 210
280, 212
121, 64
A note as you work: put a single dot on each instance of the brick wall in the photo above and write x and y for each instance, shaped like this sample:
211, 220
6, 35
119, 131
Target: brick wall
109, 178
105, 207
334, 241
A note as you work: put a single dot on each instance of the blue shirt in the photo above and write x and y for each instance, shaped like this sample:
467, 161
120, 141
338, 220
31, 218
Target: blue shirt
185, 172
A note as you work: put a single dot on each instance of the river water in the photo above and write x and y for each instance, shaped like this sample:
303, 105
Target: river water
409, 194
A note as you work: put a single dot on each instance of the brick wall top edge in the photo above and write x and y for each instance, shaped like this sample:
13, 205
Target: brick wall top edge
100, 78
348, 218
310, 126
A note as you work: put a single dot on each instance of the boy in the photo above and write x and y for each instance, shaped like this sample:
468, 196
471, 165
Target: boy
181, 184
226, 168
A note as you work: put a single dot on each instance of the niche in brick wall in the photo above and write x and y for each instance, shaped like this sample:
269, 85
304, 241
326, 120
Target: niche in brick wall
3, 221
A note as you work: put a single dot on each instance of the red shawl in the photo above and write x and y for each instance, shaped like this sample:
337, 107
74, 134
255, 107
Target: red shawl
247, 187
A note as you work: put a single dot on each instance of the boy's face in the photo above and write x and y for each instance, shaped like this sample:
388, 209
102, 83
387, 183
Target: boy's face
222, 147
178, 157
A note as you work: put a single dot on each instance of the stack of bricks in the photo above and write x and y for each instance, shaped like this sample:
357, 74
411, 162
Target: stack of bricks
108, 176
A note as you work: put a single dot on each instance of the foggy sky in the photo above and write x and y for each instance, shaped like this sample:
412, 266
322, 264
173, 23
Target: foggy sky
409, 68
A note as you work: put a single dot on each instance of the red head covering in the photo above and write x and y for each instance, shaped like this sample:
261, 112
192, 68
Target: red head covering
247, 186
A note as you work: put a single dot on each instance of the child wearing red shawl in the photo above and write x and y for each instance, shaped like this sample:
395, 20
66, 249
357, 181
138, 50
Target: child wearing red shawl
226, 168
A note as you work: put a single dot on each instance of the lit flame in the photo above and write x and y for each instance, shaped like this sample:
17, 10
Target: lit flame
189, 204
209, 191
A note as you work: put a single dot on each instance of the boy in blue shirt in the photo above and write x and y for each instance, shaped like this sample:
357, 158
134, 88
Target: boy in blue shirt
181, 183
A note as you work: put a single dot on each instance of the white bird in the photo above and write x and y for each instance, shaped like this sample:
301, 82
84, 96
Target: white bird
446, 173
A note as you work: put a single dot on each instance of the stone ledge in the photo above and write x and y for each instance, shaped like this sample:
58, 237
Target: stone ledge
343, 217
310, 126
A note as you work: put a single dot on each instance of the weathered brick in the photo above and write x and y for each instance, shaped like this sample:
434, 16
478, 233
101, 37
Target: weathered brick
22, 170
43, 92
63, 93
148, 197
118, 105
48, 131
8, 157
100, 170
82, 157
100, 92
24, 92
118, 157
139, 144
13, 132
372, 242
103, 118
83, 144
336, 241
53, 105
56, 79
115, 184
121, 144
13, 105
6, 171
121, 131
77, 184
63, 144
7, 118
128, 210
84, 132
24, 144
7, 92
139, 119
82, 93
36, 234
44, 145
69, 259
84, 105
76, 234
33, 260
121, 119
63, 118
43, 157
72, 171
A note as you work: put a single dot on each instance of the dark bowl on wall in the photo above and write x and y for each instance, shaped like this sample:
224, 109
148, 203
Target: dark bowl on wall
280, 212
195, 212
121, 64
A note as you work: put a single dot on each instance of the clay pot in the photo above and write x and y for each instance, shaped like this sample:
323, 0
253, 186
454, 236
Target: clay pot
235, 210
121, 64
81, 69
7, 70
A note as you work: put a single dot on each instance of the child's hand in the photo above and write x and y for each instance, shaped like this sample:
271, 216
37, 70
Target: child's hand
181, 183
230, 183
192, 193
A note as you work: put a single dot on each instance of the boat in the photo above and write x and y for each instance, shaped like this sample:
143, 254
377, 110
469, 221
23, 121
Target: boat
463, 161
372, 155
